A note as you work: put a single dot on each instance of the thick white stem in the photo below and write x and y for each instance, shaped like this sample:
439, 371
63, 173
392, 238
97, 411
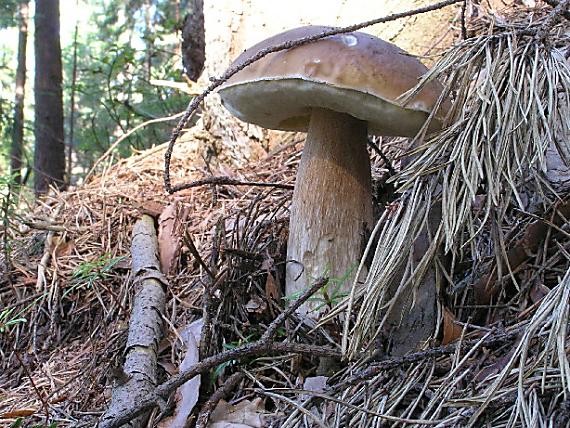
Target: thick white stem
331, 208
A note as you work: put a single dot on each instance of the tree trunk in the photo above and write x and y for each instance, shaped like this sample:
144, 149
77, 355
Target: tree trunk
49, 155
148, 38
18, 129
193, 41
70, 135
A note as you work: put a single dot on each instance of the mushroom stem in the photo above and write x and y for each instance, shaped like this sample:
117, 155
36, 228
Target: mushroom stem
332, 206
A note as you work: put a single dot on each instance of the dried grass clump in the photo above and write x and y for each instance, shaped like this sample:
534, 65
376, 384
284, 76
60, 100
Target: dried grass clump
486, 171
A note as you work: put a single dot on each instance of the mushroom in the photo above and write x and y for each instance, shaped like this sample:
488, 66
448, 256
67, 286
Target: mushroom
338, 89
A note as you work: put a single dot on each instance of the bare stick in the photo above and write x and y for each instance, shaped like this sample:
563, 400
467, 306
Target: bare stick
145, 325
41, 397
213, 401
555, 3
282, 46
463, 21
553, 19
494, 340
224, 180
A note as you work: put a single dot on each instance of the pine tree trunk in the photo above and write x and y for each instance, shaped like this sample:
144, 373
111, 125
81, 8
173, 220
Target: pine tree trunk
71, 124
18, 128
49, 155
193, 41
148, 39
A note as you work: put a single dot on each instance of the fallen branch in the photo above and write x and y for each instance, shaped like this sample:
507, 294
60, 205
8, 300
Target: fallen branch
263, 346
213, 401
373, 369
228, 181
216, 82
555, 3
553, 19
145, 327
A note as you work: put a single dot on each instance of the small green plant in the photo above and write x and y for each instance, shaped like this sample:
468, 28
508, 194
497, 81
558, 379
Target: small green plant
8, 320
227, 346
20, 422
331, 293
86, 274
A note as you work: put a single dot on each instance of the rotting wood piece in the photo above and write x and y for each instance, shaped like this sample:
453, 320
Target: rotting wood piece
145, 326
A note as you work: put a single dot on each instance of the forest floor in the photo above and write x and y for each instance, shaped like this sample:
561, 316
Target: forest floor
68, 296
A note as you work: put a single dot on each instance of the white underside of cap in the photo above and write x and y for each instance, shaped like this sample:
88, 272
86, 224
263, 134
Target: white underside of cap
286, 104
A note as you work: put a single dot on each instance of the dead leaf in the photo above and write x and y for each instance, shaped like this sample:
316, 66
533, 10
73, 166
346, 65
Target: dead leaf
187, 395
451, 330
59, 399
64, 248
170, 233
496, 367
537, 292
256, 305
272, 288
314, 384
245, 414
20, 413
152, 208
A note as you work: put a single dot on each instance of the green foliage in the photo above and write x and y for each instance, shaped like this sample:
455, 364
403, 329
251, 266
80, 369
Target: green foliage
86, 274
227, 346
114, 93
8, 12
7, 319
116, 41
20, 423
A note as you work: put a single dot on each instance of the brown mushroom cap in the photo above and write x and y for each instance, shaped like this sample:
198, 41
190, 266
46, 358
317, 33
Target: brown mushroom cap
353, 73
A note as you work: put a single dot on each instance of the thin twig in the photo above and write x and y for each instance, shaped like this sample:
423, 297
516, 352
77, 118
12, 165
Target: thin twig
555, 3
553, 19
224, 180
124, 137
215, 398
45, 404
376, 368
346, 404
208, 311
272, 329
196, 101
194, 251
51, 227
383, 156
463, 23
